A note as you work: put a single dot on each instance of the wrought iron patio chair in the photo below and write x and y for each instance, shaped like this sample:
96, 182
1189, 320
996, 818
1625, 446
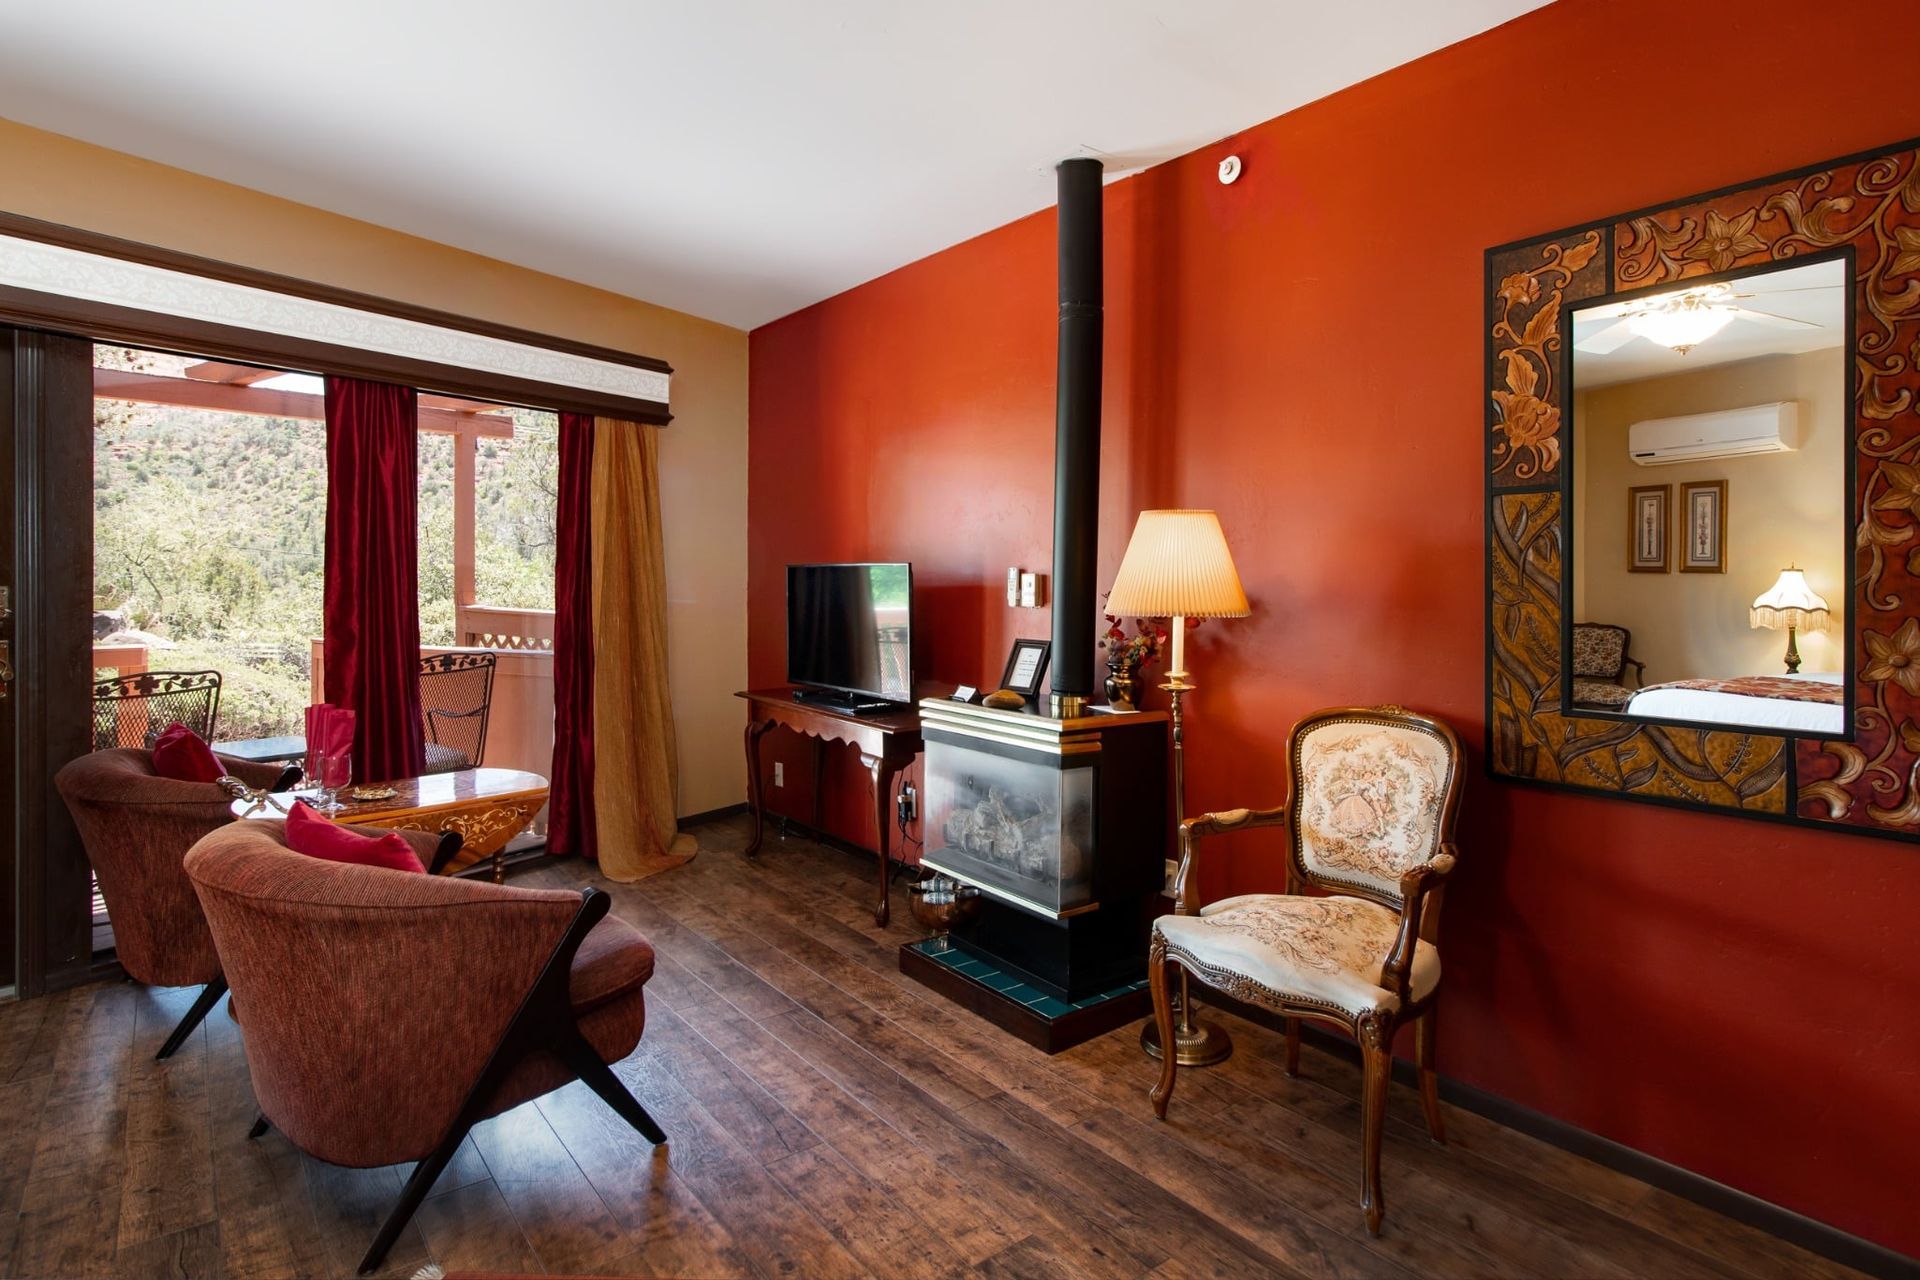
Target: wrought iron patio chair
456, 693
133, 710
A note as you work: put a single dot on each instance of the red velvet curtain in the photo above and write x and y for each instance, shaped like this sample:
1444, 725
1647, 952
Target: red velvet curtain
570, 825
372, 613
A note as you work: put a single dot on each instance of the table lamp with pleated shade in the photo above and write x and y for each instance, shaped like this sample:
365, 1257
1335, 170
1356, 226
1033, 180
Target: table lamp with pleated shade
1177, 566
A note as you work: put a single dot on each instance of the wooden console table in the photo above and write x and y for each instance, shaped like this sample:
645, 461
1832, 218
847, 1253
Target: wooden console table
887, 743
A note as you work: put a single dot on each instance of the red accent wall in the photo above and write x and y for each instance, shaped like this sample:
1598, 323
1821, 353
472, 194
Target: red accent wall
1302, 351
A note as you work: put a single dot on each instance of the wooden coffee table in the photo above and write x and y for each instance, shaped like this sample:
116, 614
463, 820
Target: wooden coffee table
488, 807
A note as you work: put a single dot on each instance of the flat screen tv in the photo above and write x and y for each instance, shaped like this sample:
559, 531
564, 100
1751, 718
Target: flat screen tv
850, 629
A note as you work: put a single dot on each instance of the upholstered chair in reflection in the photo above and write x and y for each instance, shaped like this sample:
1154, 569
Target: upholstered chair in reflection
1354, 941
386, 1013
1600, 662
137, 826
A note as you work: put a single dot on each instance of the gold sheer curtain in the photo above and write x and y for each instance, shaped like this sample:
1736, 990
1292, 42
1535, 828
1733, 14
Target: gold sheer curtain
635, 769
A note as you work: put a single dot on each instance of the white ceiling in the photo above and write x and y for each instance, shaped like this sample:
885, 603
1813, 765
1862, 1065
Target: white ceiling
737, 159
1815, 293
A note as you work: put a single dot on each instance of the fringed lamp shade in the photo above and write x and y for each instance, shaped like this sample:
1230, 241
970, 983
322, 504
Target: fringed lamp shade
1177, 565
1790, 602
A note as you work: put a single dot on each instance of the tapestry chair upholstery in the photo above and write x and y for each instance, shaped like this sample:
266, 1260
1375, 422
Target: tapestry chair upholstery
456, 697
443, 1001
136, 827
1600, 662
1354, 941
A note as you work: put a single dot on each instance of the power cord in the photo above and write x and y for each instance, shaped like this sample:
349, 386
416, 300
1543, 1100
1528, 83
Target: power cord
900, 818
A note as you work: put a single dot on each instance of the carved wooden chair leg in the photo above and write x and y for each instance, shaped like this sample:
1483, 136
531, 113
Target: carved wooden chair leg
1376, 1051
1157, 979
1293, 1046
1424, 1032
202, 1005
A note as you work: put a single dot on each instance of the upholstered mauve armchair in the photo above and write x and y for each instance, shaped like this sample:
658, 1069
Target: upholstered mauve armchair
136, 827
1368, 816
387, 1013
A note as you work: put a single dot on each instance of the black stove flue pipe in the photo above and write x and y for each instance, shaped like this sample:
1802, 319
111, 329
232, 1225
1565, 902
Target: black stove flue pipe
1076, 456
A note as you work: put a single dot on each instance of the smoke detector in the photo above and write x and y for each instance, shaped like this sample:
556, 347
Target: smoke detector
1229, 170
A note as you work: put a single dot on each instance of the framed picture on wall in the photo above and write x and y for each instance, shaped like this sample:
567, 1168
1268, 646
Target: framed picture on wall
1647, 507
1703, 509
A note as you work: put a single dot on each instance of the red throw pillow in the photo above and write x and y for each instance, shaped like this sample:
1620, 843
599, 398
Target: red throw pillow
313, 835
183, 755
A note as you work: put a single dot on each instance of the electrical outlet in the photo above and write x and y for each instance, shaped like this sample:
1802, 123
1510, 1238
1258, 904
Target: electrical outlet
909, 803
779, 774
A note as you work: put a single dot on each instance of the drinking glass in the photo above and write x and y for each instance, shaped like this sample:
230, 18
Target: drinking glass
335, 772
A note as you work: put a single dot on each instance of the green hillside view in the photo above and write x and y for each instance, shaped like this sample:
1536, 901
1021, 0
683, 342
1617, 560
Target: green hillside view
209, 534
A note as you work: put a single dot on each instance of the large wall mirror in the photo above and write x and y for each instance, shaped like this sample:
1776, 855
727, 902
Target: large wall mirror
1708, 450
1703, 501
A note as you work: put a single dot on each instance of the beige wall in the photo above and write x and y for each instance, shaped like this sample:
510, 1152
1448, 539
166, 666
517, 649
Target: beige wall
1785, 508
703, 455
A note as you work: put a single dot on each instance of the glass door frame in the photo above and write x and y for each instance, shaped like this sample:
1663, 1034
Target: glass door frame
46, 482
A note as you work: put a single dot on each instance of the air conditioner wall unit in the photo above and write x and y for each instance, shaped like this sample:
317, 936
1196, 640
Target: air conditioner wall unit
1725, 433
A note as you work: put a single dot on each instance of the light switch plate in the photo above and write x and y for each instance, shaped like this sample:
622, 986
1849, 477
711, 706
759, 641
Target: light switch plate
1030, 591
1013, 586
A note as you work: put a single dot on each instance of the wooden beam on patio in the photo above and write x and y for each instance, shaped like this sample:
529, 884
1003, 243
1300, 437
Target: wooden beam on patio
236, 397
239, 375
248, 375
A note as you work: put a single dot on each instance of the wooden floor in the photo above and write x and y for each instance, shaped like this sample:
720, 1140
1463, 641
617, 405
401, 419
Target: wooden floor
828, 1117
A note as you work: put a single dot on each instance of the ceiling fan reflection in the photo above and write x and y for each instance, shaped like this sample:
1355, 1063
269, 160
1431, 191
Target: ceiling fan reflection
1681, 320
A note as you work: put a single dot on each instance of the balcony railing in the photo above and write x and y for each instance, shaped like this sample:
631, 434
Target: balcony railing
520, 721
487, 626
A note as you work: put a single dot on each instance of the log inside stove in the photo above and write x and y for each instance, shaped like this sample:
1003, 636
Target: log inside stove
1017, 833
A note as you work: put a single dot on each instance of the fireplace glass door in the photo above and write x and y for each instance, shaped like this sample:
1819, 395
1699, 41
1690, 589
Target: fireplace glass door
1017, 823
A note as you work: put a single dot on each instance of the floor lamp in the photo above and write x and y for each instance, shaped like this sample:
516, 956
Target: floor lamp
1177, 566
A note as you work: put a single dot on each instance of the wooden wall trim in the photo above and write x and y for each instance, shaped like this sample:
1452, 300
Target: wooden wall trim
1777, 1220
120, 323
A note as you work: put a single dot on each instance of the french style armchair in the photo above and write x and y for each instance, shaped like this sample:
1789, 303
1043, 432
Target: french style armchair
386, 1013
1369, 817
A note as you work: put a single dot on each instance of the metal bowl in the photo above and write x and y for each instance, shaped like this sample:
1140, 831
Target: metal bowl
941, 902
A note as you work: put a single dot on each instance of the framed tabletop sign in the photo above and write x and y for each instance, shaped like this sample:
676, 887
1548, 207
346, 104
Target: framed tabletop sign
1027, 667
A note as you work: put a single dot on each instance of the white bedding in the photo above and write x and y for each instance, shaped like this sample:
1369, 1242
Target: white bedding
1739, 709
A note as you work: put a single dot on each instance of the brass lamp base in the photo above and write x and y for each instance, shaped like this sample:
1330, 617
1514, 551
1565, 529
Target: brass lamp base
1195, 1044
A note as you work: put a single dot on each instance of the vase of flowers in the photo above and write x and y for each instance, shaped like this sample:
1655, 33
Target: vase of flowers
1127, 656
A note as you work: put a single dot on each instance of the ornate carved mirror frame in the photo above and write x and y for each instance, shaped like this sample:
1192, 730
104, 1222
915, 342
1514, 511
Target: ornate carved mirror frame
1865, 208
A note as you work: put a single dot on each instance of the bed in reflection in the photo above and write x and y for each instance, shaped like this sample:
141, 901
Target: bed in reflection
1813, 702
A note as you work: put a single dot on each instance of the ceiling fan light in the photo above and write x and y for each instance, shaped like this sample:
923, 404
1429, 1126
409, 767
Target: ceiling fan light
1681, 328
